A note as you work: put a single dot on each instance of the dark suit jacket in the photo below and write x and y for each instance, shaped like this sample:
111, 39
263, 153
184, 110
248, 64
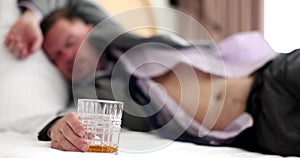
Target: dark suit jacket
109, 34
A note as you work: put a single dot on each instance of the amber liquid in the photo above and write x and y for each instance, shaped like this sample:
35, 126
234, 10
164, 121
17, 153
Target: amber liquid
102, 149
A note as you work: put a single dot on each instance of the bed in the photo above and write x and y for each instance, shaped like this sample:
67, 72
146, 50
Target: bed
24, 110
132, 144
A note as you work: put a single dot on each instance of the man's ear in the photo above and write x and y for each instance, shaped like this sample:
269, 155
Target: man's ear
90, 27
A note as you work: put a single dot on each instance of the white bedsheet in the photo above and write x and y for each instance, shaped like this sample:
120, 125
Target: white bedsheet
132, 144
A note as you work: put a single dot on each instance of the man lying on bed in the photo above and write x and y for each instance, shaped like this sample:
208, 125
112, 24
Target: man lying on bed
269, 95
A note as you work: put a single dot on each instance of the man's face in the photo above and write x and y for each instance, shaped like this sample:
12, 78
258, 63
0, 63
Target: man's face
61, 44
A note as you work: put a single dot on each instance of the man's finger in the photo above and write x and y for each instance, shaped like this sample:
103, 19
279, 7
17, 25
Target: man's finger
65, 144
35, 45
14, 49
54, 144
9, 42
73, 138
13, 45
74, 122
24, 52
8, 38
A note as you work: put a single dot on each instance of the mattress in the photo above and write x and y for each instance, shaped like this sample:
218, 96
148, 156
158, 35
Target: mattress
132, 144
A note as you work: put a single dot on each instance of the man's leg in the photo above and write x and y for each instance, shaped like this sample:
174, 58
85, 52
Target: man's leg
275, 106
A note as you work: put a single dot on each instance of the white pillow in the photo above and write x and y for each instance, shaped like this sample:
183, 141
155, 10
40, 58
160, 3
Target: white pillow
32, 91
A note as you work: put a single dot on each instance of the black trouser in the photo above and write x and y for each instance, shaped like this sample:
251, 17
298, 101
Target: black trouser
274, 103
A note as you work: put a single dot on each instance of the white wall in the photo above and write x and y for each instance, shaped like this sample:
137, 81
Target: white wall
282, 24
163, 19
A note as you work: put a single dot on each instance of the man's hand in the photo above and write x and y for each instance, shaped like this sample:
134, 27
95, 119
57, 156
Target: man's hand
67, 134
25, 36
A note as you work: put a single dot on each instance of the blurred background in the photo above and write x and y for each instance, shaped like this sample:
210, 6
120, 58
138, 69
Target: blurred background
277, 20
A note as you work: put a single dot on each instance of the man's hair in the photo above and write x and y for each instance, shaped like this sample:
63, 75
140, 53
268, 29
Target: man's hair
51, 19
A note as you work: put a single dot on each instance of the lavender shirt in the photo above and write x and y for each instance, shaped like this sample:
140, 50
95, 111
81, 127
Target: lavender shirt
237, 56
33, 8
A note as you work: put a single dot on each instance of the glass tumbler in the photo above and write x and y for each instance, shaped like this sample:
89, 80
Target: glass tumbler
102, 122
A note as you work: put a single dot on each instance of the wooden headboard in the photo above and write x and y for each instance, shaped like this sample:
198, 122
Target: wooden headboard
115, 7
